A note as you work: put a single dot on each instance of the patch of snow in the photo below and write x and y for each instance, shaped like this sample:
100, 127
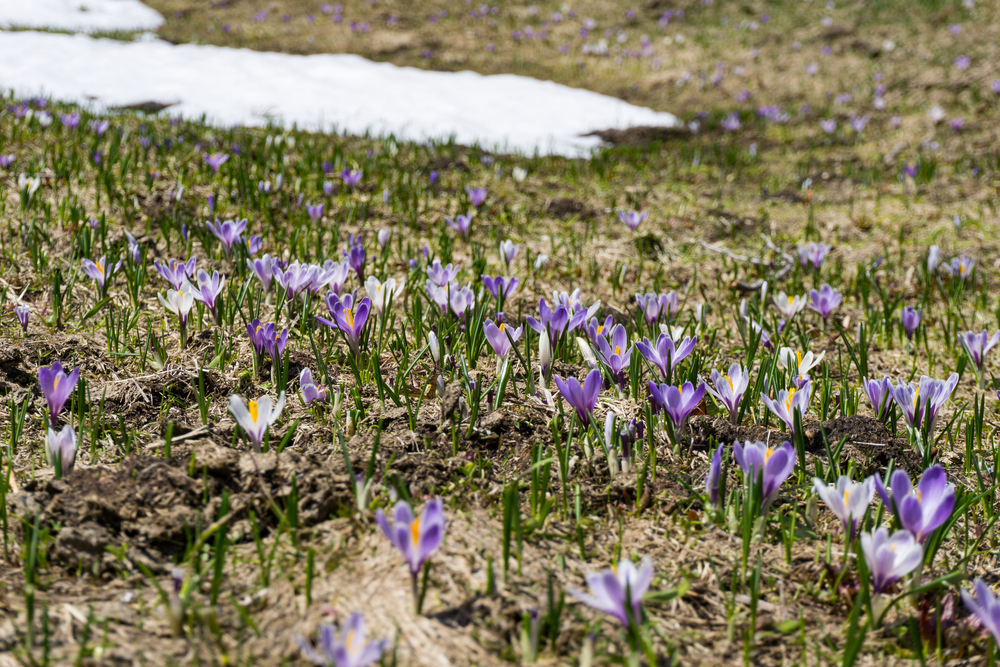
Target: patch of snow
342, 92
79, 15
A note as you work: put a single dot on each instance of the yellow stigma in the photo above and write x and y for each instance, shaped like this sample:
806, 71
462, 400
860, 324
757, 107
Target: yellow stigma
600, 328
767, 454
253, 411
415, 530
790, 299
618, 350
100, 267
847, 494
961, 269
502, 326
798, 358
349, 316
916, 395
349, 644
730, 380
919, 494
788, 402
55, 383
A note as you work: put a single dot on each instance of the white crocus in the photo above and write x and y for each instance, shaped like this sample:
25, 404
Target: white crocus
789, 306
256, 416
380, 293
179, 302
544, 356
848, 500
435, 347
797, 362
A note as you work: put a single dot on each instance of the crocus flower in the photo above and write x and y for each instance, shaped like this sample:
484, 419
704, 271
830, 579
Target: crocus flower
582, 398
101, 270
383, 238
889, 558
21, 313
619, 591
348, 648
179, 303
552, 322
545, 358
255, 330
788, 400
70, 120
753, 458
351, 177
813, 253
176, 272
228, 232
985, 607
315, 212
825, 301
262, 268
976, 346
57, 387
665, 355
309, 390
273, 341
496, 336
295, 279
460, 299
789, 306
380, 293
912, 401
500, 287
333, 275
654, 307
729, 388
922, 508
254, 244
633, 218
460, 224
960, 267
714, 477
441, 275
348, 318
933, 258
61, 447
209, 288
797, 363
848, 500
476, 196
415, 537
617, 354
910, 319
508, 251
678, 402
134, 252
256, 416
877, 392
356, 259
215, 160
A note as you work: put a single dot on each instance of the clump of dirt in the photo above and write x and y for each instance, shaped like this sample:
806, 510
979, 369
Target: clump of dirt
640, 135
565, 208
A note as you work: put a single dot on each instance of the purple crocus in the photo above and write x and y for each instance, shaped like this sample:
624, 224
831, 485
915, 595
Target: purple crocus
617, 354
57, 387
99, 126
665, 355
597, 329
619, 591
274, 343
633, 218
553, 322
910, 319
315, 211
960, 267
813, 253
496, 336
929, 393
476, 196
878, 394
356, 259
255, 331
415, 537
582, 398
500, 287
228, 232
985, 607
758, 460
101, 270
441, 275
70, 120
208, 289
729, 389
309, 390
347, 648
215, 160
923, 508
347, 317
22, 312
890, 558
351, 177
976, 346
825, 301
713, 478
460, 224
263, 269
788, 400
848, 500
176, 272
295, 279
678, 402
655, 307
